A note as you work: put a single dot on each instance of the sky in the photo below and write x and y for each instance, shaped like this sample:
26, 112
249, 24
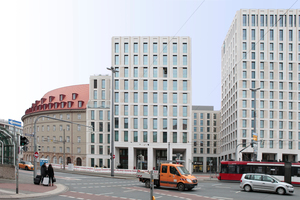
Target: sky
48, 44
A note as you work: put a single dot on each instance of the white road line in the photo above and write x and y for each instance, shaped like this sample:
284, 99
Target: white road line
216, 184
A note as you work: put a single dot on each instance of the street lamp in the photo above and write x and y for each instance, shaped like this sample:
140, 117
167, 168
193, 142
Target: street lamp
254, 125
112, 149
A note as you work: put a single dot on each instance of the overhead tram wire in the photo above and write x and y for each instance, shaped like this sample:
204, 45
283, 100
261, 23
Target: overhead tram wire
179, 30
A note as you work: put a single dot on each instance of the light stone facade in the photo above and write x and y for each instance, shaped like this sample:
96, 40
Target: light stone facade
261, 50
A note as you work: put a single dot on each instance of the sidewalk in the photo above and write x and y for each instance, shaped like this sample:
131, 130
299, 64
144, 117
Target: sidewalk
27, 189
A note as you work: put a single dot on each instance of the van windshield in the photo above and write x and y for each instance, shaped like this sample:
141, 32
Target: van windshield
28, 163
183, 171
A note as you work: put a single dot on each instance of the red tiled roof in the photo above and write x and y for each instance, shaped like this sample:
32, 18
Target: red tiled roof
82, 95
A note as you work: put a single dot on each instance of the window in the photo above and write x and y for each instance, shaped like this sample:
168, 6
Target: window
165, 48
290, 35
244, 34
262, 34
135, 47
135, 60
145, 60
145, 48
185, 85
135, 136
280, 35
125, 47
165, 98
184, 60
174, 47
145, 84
165, 59
154, 47
125, 59
174, 59
253, 34
271, 35
184, 47
116, 60
174, 72
116, 47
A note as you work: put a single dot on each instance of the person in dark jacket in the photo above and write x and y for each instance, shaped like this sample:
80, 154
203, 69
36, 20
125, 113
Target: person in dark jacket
50, 174
43, 171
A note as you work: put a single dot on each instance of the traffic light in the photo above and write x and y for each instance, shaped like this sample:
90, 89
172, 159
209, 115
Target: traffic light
39, 148
25, 148
254, 136
23, 141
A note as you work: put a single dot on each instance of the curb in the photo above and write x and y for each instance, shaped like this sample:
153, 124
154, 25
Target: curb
59, 189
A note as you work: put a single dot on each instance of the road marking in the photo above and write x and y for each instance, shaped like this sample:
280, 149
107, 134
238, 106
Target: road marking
216, 184
223, 198
238, 192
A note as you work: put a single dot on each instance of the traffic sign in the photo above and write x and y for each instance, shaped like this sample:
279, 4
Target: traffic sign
36, 154
114, 156
14, 122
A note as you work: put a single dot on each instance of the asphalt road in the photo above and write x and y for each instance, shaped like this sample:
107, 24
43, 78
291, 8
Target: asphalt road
91, 187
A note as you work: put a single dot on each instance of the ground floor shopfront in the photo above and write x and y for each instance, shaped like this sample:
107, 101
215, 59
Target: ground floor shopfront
143, 157
205, 164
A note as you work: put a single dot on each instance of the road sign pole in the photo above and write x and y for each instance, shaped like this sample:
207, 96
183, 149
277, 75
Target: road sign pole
17, 161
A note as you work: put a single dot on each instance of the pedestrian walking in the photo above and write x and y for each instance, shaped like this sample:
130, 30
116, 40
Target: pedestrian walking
43, 171
50, 174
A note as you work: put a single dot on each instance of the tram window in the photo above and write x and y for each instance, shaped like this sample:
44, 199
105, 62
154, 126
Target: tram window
224, 169
232, 169
296, 171
275, 170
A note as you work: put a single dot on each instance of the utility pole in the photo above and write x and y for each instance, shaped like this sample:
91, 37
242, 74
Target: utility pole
112, 139
255, 145
64, 147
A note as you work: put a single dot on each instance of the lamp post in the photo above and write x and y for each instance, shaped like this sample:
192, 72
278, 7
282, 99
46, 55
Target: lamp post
112, 149
254, 125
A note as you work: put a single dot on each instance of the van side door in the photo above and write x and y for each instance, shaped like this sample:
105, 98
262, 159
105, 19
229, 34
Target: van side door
173, 178
164, 176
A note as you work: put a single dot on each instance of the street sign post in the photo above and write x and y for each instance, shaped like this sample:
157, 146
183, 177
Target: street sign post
15, 123
36, 154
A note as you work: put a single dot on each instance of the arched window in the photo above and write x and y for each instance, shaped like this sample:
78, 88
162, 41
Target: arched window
54, 160
60, 160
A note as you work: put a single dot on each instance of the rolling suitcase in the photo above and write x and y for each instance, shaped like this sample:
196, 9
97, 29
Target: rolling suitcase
37, 181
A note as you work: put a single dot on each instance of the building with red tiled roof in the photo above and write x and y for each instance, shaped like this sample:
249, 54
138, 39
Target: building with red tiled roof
66, 103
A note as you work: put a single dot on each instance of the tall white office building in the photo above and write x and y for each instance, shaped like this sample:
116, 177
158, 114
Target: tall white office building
261, 52
153, 100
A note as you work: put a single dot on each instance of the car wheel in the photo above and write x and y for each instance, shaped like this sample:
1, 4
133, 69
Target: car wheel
247, 188
181, 187
281, 191
26, 168
147, 183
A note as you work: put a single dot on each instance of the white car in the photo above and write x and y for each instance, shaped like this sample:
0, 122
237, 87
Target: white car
264, 182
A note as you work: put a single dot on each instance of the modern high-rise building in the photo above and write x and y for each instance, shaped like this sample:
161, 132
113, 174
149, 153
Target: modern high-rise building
153, 101
206, 125
261, 59
98, 116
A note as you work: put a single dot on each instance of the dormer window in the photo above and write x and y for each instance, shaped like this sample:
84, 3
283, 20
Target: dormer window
43, 100
51, 98
70, 104
40, 107
79, 104
74, 96
50, 105
55, 105
62, 105
45, 106
61, 97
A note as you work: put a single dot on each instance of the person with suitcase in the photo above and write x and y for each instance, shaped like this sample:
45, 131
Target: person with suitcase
43, 171
50, 174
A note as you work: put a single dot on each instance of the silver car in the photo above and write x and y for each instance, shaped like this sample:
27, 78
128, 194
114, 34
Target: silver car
264, 182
